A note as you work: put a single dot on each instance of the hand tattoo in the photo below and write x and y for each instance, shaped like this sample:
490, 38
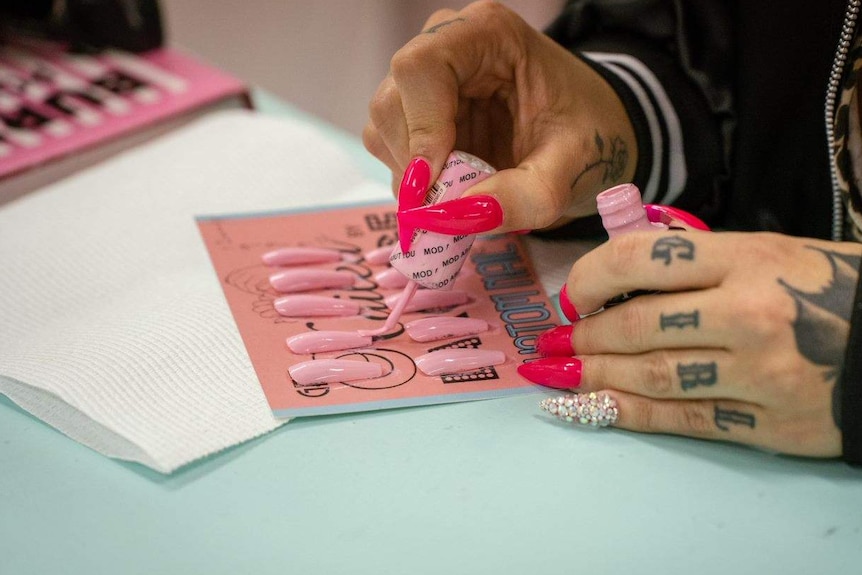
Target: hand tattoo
822, 323
433, 29
613, 157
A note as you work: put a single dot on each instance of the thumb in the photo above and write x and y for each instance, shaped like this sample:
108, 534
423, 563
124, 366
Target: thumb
533, 195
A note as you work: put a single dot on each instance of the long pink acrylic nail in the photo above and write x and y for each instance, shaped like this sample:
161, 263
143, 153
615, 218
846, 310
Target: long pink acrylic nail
555, 372
294, 256
429, 299
378, 256
566, 305
449, 361
290, 281
442, 327
304, 305
470, 215
556, 342
391, 278
322, 341
333, 371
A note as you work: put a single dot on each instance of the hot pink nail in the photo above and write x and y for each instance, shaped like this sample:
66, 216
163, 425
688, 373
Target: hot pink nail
316, 306
391, 278
290, 281
414, 184
333, 371
411, 194
566, 305
437, 328
556, 342
292, 256
429, 299
464, 216
448, 361
556, 372
379, 256
321, 341
670, 216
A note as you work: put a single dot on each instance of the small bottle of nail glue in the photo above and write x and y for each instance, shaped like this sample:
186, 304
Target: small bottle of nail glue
434, 260
622, 211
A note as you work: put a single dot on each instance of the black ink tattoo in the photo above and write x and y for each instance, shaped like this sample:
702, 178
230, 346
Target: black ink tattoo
822, 323
693, 374
680, 320
612, 157
433, 29
725, 417
668, 248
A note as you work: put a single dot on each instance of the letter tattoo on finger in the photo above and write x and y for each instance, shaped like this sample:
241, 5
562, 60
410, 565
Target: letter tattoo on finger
670, 248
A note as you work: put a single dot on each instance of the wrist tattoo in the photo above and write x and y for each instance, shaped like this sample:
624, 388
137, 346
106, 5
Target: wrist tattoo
667, 249
613, 157
724, 418
822, 323
692, 375
433, 29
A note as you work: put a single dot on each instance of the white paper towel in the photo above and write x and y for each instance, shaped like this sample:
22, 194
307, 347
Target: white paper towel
113, 326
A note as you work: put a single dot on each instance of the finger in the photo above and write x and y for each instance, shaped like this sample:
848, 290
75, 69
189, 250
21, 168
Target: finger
375, 145
386, 116
534, 194
677, 374
681, 320
665, 261
703, 418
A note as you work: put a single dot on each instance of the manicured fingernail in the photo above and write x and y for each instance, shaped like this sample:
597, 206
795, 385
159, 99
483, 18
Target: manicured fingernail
556, 372
464, 216
390, 278
594, 409
303, 305
291, 256
556, 342
321, 341
411, 194
442, 327
567, 306
670, 215
379, 256
522, 232
449, 361
290, 281
333, 371
414, 184
429, 299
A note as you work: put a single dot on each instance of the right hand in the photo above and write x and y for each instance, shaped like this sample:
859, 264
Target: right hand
483, 81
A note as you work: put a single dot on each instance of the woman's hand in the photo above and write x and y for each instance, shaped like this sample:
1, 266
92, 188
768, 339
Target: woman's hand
744, 343
481, 80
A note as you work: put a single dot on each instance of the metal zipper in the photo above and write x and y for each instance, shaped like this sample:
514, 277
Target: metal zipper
850, 15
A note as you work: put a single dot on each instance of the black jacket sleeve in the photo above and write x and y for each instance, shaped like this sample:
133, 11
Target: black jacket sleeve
670, 62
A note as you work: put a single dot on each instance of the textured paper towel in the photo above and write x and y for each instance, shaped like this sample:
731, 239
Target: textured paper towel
113, 326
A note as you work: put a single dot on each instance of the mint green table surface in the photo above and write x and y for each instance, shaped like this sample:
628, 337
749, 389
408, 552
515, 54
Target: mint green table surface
484, 487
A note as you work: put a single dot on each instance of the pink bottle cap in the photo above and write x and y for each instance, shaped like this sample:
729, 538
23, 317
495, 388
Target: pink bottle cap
622, 210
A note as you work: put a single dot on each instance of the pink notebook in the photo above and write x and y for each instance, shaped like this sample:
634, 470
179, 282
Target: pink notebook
498, 277
60, 111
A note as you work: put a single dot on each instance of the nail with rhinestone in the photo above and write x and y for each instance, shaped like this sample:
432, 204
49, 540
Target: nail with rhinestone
593, 409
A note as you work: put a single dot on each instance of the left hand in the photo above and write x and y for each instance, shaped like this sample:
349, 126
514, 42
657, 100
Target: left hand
745, 341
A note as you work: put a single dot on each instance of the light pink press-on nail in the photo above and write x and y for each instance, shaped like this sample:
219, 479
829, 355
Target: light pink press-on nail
299, 280
333, 371
303, 305
429, 299
379, 256
322, 341
390, 278
442, 327
295, 256
449, 361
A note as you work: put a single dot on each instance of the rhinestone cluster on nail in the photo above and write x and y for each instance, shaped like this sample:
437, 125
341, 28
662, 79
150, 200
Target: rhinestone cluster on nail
595, 409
